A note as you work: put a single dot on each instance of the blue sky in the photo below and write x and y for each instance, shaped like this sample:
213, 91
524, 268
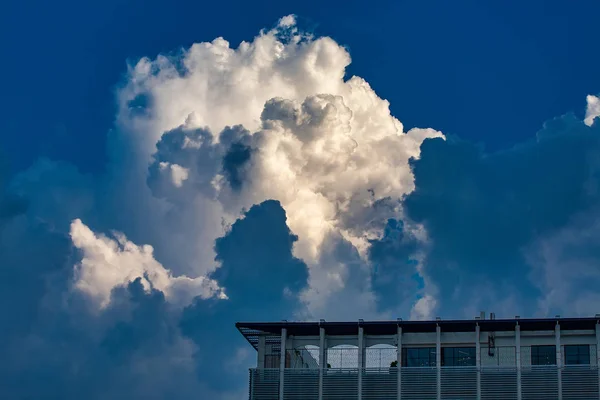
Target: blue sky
409, 159
453, 66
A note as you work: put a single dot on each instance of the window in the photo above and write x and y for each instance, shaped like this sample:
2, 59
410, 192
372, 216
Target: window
458, 356
543, 355
577, 355
418, 357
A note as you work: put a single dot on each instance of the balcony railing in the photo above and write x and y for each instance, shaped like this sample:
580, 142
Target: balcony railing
455, 383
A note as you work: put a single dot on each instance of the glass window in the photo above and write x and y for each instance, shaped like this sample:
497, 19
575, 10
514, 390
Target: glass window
418, 357
577, 355
543, 355
458, 356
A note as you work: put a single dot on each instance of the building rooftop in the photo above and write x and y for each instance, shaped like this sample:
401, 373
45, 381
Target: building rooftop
252, 330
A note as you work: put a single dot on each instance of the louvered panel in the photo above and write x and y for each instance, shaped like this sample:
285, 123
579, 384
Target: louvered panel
301, 384
419, 383
539, 383
264, 384
498, 383
380, 383
459, 383
340, 384
580, 382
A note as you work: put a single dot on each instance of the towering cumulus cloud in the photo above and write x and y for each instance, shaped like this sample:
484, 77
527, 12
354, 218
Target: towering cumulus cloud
275, 119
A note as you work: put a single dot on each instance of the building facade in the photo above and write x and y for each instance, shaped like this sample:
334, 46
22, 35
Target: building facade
479, 359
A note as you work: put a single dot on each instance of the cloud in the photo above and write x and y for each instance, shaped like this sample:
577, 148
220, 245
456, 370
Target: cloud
108, 263
141, 343
273, 118
593, 109
263, 281
259, 168
564, 266
482, 211
314, 156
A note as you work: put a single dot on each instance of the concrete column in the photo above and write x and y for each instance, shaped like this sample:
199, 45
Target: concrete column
438, 360
399, 362
322, 360
518, 359
260, 362
361, 351
478, 358
558, 359
598, 353
282, 358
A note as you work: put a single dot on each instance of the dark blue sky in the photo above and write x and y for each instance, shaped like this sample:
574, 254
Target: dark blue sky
489, 72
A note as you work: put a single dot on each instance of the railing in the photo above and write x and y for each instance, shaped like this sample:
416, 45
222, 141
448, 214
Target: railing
456, 383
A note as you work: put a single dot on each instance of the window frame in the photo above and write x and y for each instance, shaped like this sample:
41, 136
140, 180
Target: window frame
456, 359
537, 357
579, 353
430, 358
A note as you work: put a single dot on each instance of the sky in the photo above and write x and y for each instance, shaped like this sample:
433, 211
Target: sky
167, 170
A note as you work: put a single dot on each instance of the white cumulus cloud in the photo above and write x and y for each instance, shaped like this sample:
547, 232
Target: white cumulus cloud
110, 262
593, 109
326, 147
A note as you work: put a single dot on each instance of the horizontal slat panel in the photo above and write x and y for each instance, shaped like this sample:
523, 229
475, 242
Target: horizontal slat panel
459, 383
380, 383
497, 383
419, 383
301, 384
580, 382
340, 384
264, 384
539, 383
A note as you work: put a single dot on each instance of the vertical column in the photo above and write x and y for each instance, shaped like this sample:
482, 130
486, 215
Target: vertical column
438, 359
361, 351
598, 353
322, 360
558, 359
399, 362
518, 357
478, 358
260, 362
282, 357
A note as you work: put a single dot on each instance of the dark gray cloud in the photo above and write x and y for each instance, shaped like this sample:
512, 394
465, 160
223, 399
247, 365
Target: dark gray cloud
234, 161
481, 210
262, 280
393, 260
56, 344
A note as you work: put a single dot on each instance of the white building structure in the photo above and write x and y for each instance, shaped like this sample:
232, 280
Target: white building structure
479, 359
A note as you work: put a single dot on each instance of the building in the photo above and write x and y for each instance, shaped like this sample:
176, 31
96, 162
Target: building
521, 359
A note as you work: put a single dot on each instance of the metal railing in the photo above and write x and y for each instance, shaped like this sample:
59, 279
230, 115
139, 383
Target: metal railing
456, 383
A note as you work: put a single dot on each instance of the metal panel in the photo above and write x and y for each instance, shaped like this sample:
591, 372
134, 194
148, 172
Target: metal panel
419, 383
340, 384
498, 383
264, 384
380, 384
301, 384
580, 382
539, 383
457, 383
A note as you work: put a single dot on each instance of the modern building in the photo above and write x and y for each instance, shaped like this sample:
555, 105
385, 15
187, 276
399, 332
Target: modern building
520, 359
